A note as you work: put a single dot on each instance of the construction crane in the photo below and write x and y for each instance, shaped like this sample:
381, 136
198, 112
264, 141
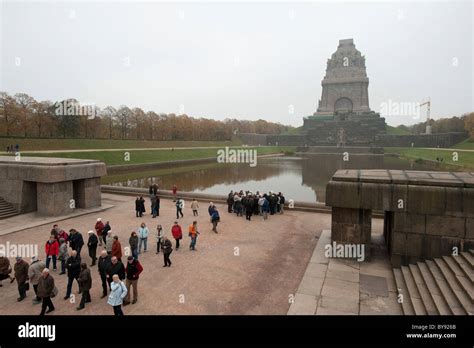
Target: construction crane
428, 109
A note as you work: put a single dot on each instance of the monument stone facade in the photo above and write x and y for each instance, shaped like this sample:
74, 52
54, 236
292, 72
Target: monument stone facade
343, 117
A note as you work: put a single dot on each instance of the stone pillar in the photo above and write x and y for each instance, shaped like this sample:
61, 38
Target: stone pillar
352, 226
54, 199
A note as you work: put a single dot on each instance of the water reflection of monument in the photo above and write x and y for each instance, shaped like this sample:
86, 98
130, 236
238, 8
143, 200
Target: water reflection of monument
318, 170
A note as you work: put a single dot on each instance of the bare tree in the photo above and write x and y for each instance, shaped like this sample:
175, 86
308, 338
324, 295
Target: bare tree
109, 113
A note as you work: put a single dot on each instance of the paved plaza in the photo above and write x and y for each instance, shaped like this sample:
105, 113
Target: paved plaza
248, 268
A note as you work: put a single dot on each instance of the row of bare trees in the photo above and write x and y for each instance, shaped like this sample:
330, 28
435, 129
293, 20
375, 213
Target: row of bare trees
22, 115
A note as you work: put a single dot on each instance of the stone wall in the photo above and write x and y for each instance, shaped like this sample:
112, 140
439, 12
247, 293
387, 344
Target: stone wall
361, 134
427, 213
272, 139
49, 185
421, 140
253, 138
286, 140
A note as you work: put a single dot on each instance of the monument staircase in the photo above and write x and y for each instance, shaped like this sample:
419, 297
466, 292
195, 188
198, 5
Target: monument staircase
6, 209
443, 286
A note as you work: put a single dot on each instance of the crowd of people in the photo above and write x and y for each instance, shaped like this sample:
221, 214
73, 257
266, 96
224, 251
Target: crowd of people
118, 278
13, 149
249, 203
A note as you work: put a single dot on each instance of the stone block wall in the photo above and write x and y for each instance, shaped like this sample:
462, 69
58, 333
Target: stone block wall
54, 199
442, 140
358, 131
433, 212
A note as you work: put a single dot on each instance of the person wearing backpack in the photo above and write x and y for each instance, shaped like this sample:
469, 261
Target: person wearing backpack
118, 291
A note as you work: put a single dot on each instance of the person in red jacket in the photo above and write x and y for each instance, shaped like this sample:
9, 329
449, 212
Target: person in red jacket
133, 270
52, 250
177, 233
99, 227
175, 191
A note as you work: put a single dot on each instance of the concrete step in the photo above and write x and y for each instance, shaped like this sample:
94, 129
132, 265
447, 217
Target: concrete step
464, 283
469, 258
445, 289
423, 290
407, 305
6, 209
467, 270
413, 292
471, 251
453, 283
5, 216
435, 292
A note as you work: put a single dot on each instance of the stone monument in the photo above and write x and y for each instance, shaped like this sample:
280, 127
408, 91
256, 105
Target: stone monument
344, 104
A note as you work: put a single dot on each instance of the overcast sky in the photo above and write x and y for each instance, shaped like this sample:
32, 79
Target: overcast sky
245, 60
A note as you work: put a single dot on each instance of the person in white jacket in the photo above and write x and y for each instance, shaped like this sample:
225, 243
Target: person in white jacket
118, 291
142, 237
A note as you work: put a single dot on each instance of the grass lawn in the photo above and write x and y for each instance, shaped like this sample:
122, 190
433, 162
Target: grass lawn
36, 144
466, 144
153, 156
465, 158
396, 131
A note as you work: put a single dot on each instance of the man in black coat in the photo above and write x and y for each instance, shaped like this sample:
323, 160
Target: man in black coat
76, 242
230, 202
272, 200
103, 265
115, 267
73, 266
248, 208
92, 245
105, 231
85, 281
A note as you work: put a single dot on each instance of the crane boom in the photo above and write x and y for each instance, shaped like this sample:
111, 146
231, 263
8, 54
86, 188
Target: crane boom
428, 108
